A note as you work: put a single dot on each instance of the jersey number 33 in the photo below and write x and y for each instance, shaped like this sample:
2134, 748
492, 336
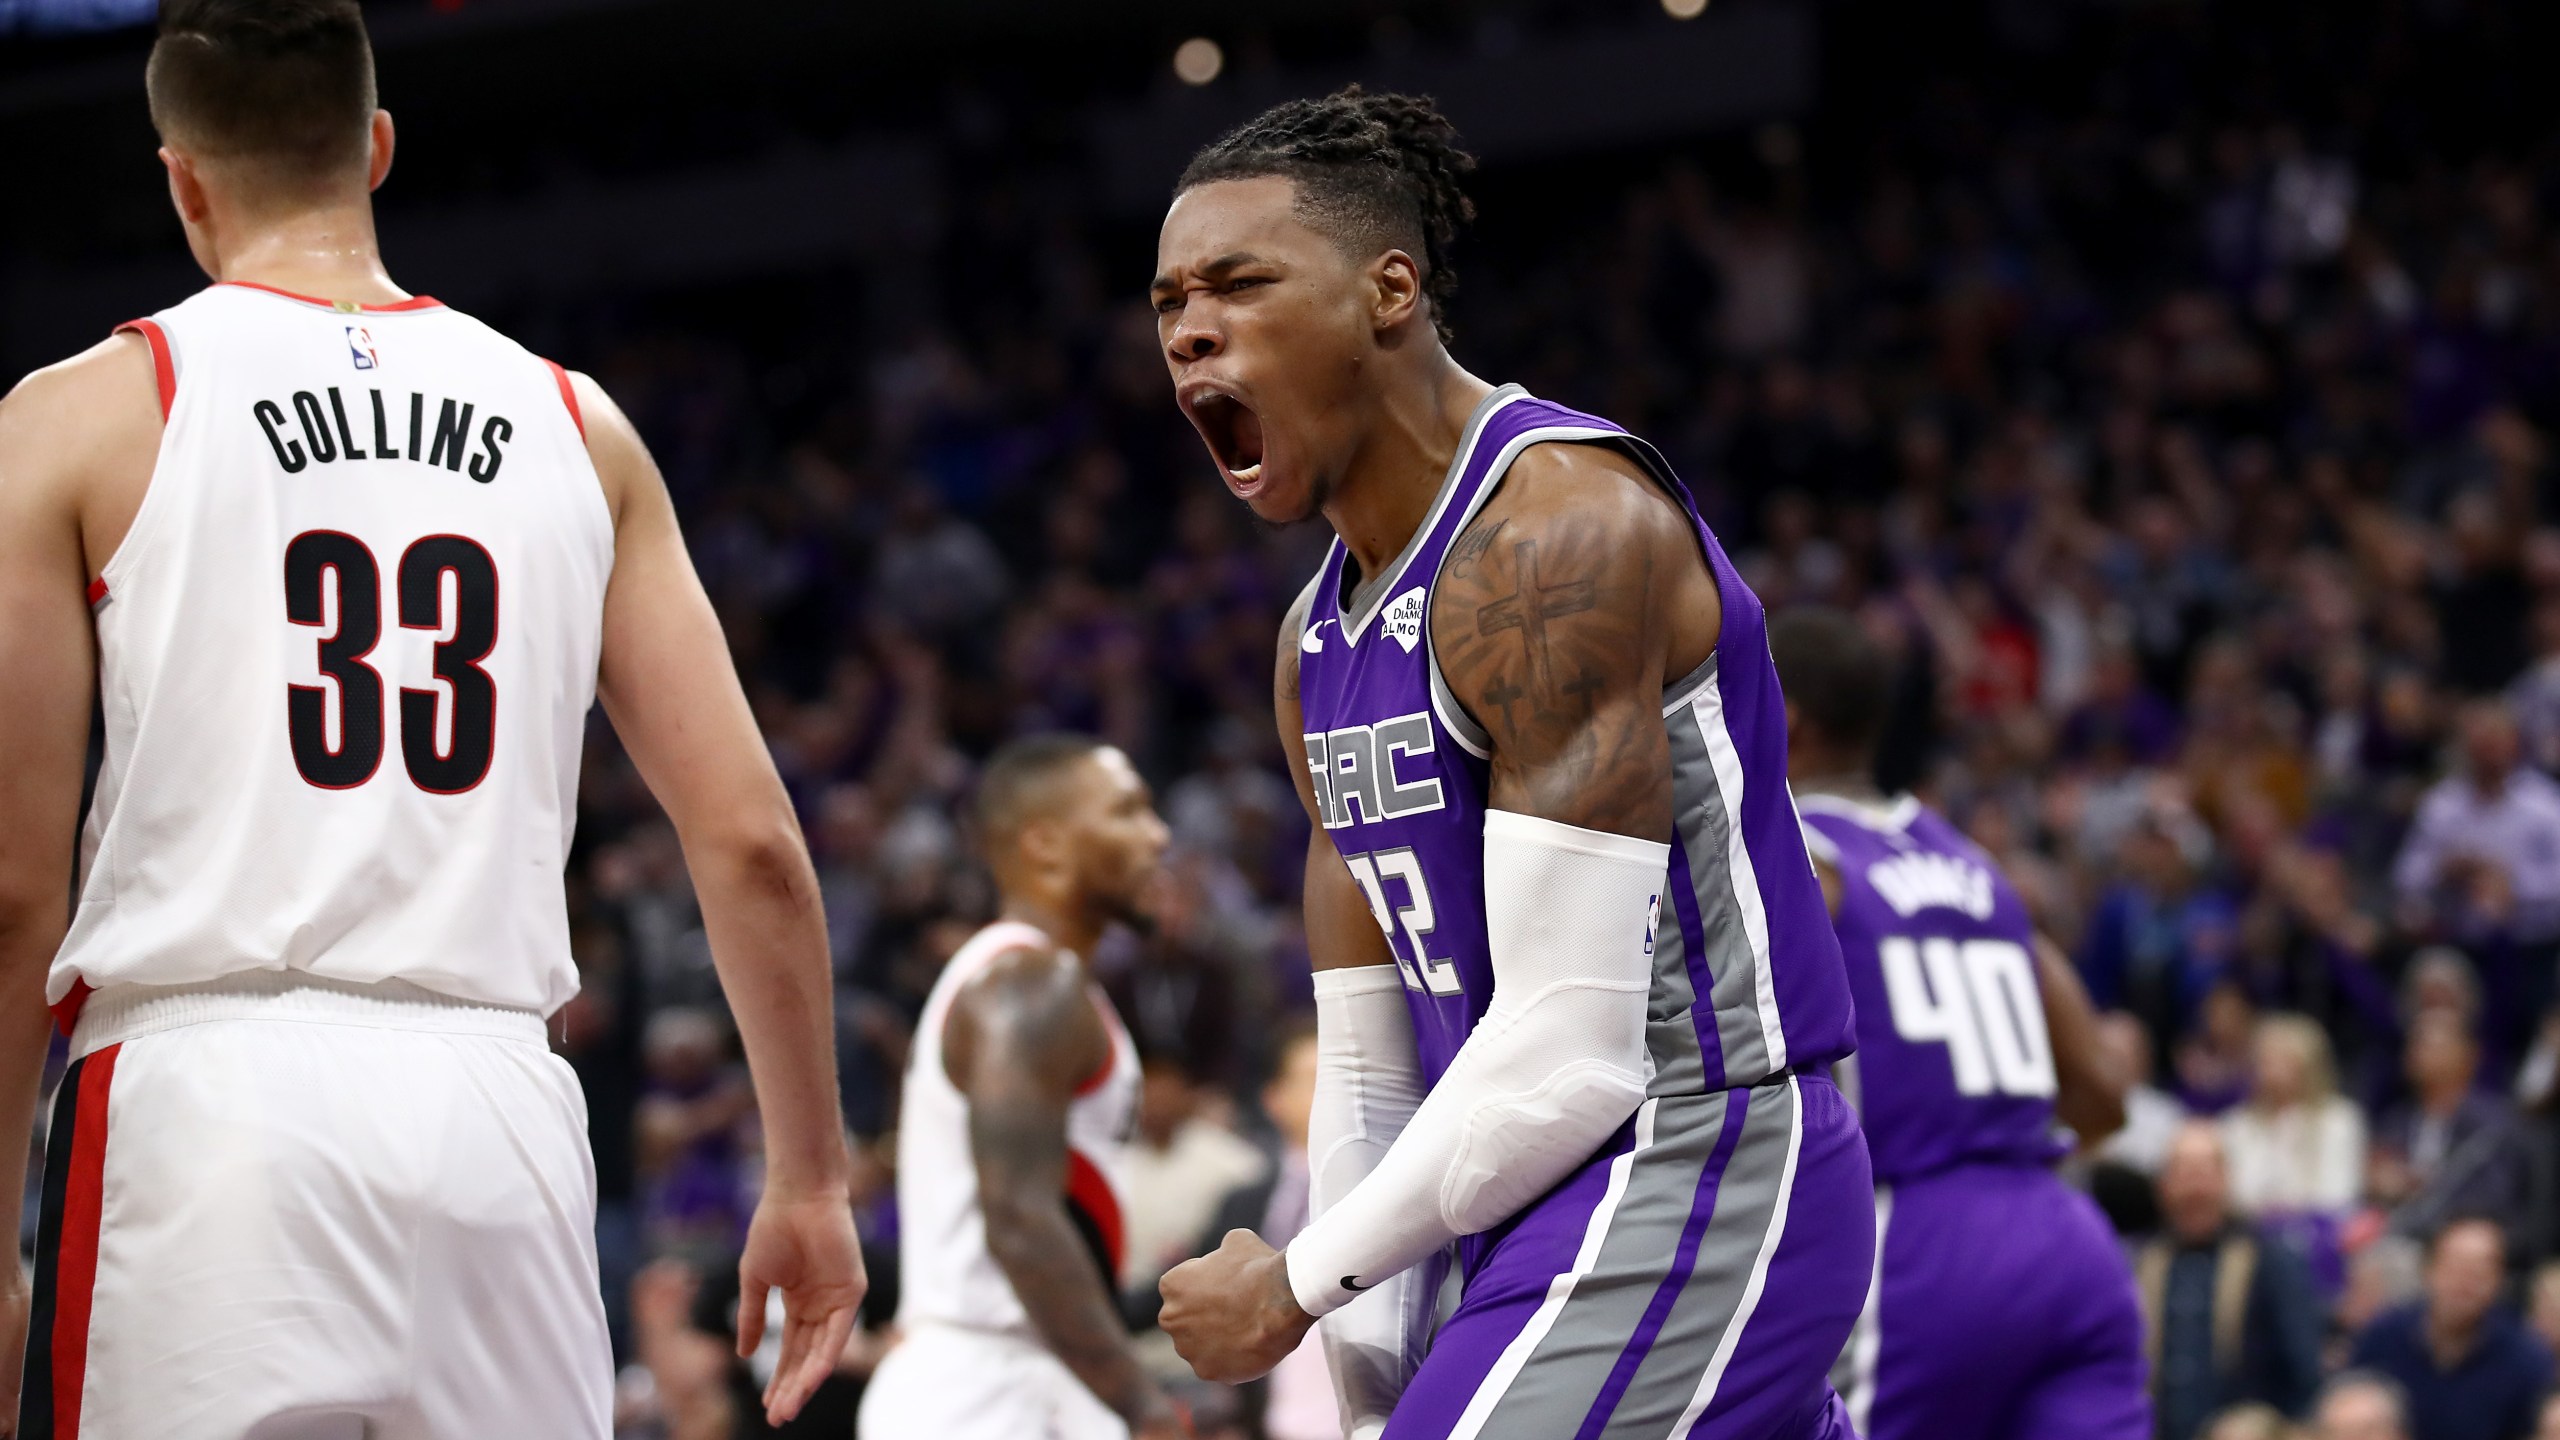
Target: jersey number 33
444, 583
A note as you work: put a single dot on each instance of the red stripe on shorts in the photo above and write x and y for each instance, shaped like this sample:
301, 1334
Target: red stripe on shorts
76, 1271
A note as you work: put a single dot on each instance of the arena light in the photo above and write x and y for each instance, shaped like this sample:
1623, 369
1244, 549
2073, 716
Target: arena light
1684, 9
1198, 60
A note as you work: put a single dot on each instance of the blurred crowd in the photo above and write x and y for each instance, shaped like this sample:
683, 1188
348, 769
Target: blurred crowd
2187, 440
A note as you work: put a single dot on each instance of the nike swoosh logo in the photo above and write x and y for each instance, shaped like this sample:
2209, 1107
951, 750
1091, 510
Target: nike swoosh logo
1311, 643
1352, 1284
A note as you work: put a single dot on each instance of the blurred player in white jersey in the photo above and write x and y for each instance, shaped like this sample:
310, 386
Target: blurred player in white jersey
1020, 1095
347, 570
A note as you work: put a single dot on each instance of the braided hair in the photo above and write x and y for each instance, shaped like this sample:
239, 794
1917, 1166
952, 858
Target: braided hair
1376, 172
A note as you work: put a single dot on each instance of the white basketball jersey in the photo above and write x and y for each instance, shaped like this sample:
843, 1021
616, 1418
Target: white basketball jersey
346, 655
946, 1275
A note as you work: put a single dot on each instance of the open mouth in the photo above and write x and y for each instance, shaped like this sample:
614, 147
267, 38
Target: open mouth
1234, 436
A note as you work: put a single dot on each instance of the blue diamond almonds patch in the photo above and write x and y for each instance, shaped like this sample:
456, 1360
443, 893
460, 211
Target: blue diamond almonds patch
1403, 619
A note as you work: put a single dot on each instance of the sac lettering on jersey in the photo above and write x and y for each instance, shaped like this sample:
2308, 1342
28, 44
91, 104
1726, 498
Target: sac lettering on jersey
317, 428
1356, 776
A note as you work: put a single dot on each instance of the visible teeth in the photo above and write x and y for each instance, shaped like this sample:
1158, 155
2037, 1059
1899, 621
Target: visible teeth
1248, 473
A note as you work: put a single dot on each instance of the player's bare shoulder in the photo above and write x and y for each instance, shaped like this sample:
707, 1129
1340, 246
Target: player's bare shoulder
83, 434
1031, 1004
1579, 589
621, 459
122, 361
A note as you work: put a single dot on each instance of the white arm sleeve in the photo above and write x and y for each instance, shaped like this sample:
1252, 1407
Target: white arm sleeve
1556, 1064
1368, 1083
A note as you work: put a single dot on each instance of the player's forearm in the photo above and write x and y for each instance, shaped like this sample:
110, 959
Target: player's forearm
1502, 1127
1050, 1269
769, 941
29, 935
1552, 1070
1368, 1084
2090, 1089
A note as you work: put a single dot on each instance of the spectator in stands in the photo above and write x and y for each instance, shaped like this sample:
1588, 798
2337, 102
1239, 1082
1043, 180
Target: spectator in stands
2118, 712
2483, 604
2361, 1405
2471, 1369
2235, 1318
2159, 933
2500, 1000
2542, 1304
1182, 1162
2548, 1428
2536, 693
2216, 1061
2387, 1272
2152, 1116
2483, 855
1296, 1400
937, 574
695, 1123
2441, 977
2452, 1149
2296, 1146
2248, 1422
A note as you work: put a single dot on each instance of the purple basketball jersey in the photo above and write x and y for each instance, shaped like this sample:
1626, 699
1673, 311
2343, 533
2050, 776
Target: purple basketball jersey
1747, 979
1954, 1064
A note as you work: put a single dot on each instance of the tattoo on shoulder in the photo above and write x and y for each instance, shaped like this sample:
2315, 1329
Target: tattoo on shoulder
1472, 545
1555, 686
1544, 637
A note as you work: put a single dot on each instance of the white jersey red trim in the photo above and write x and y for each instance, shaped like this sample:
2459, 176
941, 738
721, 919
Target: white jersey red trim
347, 652
946, 1275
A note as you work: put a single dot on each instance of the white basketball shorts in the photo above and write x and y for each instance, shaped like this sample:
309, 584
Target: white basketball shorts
296, 1211
948, 1383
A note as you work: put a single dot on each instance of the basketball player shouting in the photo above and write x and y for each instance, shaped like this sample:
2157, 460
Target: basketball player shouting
2001, 1307
1020, 1094
1576, 992
347, 570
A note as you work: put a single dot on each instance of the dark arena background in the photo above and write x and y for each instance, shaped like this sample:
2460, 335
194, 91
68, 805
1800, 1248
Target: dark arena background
2172, 384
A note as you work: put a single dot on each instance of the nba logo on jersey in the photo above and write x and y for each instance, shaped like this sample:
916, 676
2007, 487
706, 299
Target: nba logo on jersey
1403, 619
1652, 922
360, 346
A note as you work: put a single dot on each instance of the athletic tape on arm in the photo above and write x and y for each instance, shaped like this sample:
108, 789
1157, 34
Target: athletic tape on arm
1555, 1065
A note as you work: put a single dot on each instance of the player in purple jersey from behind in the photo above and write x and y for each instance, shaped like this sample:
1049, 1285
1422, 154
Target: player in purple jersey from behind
2002, 1308
1577, 996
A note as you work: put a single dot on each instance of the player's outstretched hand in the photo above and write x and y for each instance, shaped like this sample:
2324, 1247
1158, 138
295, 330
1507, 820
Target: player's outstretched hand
1231, 1313
806, 1248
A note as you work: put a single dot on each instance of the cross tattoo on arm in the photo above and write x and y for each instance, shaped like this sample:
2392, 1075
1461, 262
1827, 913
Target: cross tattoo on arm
1527, 609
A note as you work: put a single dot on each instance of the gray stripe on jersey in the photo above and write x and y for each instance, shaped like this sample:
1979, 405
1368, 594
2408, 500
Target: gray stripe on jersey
1747, 1201
1698, 812
1454, 718
1555, 1389
1671, 1048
